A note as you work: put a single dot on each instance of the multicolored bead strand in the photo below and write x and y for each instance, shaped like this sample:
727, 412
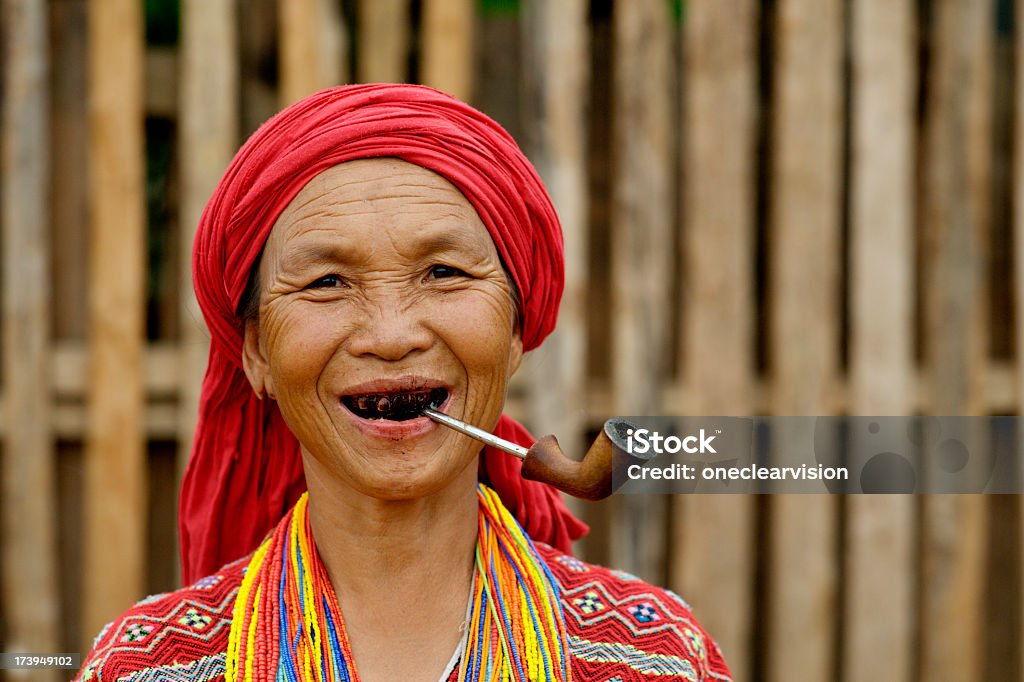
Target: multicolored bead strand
287, 624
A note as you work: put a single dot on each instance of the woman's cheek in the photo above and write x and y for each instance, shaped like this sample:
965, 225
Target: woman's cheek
478, 331
298, 343
482, 318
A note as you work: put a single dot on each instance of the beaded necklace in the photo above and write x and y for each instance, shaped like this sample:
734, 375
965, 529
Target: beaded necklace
287, 624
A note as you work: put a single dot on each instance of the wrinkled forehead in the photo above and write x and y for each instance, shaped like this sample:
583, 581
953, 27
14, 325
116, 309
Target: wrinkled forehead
364, 201
366, 185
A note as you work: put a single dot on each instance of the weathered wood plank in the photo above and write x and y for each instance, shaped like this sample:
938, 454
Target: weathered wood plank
555, 83
208, 118
68, 195
957, 160
446, 60
555, 75
804, 320
161, 78
312, 47
115, 480
383, 45
258, 45
713, 553
878, 628
29, 503
1018, 268
642, 251
68, 377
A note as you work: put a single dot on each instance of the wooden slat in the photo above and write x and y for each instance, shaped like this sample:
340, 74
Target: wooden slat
803, 272
1018, 270
383, 54
161, 79
68, 196
115, 482
554, 49
258, 45
555, 78
312, 47
878, 627
209, 131
642, 250
446, 61
957, 158
713, 554
29, 503
163, 381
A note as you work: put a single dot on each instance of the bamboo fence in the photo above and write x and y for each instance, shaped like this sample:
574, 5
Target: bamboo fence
778, 207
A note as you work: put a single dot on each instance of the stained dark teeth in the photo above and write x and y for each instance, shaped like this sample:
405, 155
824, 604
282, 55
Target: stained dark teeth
399, 406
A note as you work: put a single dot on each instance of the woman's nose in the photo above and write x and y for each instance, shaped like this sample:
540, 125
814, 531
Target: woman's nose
389, 331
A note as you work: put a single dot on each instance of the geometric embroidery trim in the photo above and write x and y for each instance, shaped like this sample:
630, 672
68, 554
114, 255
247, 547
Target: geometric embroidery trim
643, 662
646, 612
694, 644
207, 582
623, 576
572, 563
195, 620
203, 669
136, 632
643, 612
589, 603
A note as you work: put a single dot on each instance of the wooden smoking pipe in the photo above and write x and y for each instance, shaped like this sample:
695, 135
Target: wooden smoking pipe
588, 479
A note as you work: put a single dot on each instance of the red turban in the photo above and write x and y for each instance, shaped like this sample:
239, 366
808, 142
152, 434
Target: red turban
246, 470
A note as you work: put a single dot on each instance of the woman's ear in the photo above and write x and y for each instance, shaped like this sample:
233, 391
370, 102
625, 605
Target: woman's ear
254, 361
515, 353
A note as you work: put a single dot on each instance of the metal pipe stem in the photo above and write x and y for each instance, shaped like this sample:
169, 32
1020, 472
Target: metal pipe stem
478, 433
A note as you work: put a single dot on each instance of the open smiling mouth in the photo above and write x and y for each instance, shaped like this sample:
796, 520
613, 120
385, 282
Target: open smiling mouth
396, 406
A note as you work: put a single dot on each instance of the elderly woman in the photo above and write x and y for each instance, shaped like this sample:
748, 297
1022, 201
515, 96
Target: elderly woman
371, 251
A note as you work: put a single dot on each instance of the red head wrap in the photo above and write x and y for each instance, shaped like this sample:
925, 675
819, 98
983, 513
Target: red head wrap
246, 469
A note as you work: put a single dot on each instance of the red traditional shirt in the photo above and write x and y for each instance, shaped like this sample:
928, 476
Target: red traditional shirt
619, 629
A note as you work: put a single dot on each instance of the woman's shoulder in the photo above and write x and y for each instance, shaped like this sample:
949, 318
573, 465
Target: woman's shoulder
619, 625
180, 635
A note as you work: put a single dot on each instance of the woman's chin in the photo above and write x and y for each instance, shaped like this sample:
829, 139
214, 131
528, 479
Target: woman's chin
405, 474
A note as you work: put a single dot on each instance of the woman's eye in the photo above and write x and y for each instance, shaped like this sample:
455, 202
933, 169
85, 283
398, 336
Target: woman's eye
326, 282
445, 271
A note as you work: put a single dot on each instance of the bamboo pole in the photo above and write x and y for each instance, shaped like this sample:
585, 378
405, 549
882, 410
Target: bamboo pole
642, 249
957, 158
383, 53
713, 554
29, 504
208, 112
313, 47
446, 62
803, 276
878, 628
115, 462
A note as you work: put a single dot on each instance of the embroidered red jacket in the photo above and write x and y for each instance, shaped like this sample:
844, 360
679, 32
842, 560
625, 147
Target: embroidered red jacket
619, 628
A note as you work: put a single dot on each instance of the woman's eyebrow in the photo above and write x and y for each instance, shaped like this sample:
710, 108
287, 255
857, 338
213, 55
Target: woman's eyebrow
443, 241
314, 252
335, 251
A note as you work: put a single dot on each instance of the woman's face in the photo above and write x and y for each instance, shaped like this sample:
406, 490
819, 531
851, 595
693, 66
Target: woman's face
381, 291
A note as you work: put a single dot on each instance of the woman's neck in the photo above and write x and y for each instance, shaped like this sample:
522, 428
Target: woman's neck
369, 544
402, 571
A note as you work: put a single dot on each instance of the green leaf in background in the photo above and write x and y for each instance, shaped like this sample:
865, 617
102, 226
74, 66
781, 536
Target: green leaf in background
162, 18
678, 10
507, 7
